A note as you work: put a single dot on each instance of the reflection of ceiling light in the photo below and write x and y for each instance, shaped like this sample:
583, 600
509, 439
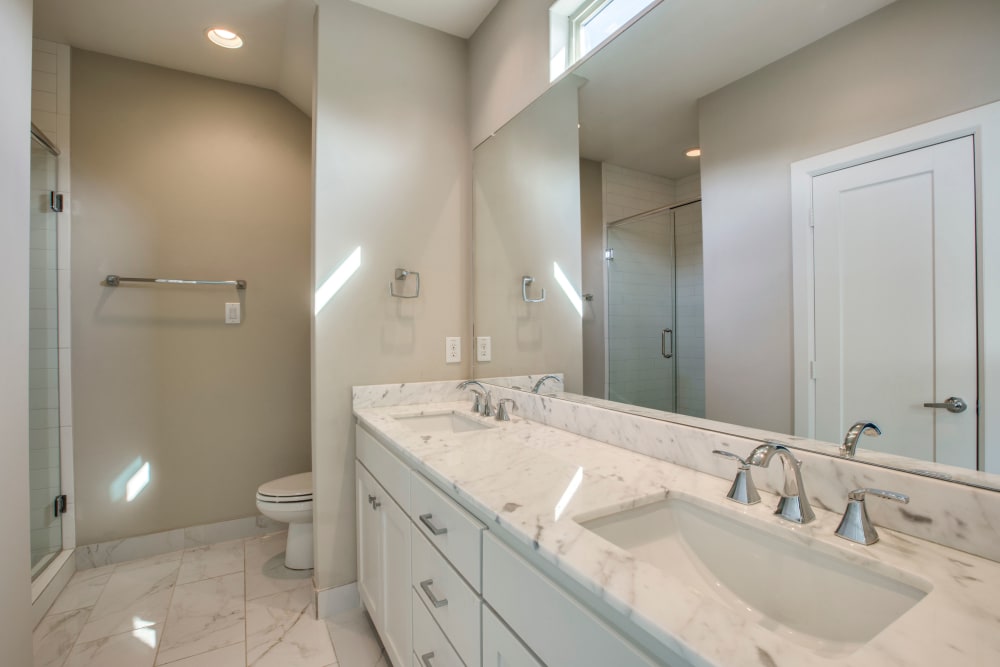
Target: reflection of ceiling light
224, 38
694, 152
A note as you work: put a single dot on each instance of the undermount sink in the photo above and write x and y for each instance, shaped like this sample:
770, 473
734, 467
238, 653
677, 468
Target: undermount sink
810, 595
442, 422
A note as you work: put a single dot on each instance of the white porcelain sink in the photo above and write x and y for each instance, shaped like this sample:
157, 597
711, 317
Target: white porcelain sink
442, 422
811, 595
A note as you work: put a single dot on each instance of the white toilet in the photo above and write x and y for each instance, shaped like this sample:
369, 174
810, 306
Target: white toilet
289, 500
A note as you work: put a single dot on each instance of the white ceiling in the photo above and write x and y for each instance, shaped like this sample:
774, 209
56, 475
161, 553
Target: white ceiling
280, 44
638, 108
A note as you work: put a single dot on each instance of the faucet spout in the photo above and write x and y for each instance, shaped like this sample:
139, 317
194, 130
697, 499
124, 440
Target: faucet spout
538, 385
854, 434
794, 504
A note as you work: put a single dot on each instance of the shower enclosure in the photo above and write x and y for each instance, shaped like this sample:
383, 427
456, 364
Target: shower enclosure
656, 331
43, 376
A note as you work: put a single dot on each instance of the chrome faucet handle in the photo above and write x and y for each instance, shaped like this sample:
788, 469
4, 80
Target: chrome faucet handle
743, 490
477, 401
487, 406
794, 504
855, 525
503, 414
854, 434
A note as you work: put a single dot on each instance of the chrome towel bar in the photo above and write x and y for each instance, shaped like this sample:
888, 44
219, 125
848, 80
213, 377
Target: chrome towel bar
115, 281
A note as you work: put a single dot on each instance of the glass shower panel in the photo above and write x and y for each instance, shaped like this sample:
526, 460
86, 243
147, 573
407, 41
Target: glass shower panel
43, 355
641, 331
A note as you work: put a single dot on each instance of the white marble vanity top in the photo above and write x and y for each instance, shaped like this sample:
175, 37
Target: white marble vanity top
515, 473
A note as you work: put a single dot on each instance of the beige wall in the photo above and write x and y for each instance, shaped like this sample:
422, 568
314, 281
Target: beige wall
178, 175
914, 61
592, 272
15, 125
392, 177
526, 208
508, 64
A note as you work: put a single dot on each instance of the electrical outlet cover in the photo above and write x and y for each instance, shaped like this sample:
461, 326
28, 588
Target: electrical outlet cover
484, 348
452, 350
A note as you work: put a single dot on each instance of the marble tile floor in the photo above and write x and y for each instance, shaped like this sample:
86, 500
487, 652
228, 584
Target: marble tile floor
221, 605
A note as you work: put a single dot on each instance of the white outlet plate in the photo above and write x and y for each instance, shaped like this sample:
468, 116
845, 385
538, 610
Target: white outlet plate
232, 313
484, 348
452, 350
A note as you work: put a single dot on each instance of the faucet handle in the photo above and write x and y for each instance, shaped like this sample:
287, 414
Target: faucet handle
743, 490
503, 414
855, 525
477, 402
487, 406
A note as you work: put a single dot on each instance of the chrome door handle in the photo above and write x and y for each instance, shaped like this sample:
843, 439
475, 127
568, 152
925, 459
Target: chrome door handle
426, 659
952, 404
426, 585
371, 499
426, 520
663, 343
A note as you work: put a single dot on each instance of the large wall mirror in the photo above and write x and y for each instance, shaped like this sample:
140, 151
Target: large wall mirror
605, 253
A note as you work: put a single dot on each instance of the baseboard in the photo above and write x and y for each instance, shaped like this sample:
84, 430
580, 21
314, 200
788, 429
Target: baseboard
155, 544
333, 601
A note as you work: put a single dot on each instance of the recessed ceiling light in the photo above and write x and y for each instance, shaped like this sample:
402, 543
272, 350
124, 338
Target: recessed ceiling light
694, 152
224, 38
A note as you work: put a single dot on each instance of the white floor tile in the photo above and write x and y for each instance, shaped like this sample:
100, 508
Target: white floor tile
211, 561
83, 589
55, 636
282, 630
134, 598
129, 649
355, 641
203, 616
230, 656
265, 567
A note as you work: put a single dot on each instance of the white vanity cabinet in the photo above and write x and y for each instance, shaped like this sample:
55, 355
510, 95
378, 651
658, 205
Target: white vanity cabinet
501, 647
384, 546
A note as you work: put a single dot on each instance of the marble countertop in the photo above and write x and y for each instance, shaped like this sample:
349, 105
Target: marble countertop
516, 473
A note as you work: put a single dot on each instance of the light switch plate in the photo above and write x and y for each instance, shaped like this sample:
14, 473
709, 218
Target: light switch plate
232, 313
484, 348
452, 350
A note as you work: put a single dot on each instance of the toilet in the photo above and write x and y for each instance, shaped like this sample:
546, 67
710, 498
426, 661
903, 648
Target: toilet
289, 500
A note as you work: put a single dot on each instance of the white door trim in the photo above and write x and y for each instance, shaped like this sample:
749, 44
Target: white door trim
983, 124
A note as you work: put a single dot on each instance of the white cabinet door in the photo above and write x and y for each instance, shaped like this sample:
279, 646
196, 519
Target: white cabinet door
501, 648
895, 291
395, 538
369, 560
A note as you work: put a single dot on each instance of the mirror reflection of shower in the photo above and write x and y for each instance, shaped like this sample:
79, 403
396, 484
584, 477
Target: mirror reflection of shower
655, 310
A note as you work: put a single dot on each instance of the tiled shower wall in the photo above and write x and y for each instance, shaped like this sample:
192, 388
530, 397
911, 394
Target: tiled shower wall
642, 255
51, 437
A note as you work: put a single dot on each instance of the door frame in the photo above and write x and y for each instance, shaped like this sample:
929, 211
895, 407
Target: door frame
983, 125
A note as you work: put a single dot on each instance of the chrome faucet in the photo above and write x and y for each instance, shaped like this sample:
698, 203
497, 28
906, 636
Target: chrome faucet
854, 434
538, 385
856, 526
794, 505
482, 402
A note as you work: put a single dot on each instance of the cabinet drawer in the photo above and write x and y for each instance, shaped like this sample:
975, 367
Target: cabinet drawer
556, 627
501, 646
391, 473
455, 532
430, 647
451, 602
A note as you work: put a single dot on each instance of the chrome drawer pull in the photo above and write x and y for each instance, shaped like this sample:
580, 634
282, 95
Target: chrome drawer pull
426, 585
426, 520
426, 659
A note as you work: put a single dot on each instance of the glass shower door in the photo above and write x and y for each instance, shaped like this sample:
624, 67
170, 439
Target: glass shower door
43, 375
641, 327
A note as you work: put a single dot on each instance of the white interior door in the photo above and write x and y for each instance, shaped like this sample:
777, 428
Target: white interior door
895, 302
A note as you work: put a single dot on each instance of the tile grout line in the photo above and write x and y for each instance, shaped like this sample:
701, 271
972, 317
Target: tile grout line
166, 613
90, 610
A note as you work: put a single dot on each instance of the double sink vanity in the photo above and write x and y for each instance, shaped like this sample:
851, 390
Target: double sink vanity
575, 535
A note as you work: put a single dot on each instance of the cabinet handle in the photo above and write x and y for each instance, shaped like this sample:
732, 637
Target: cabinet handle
426, 659
426, 585
426, 520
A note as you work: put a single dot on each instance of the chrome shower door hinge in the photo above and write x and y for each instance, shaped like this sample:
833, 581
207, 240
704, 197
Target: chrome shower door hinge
609, 254
55, 202
60, 504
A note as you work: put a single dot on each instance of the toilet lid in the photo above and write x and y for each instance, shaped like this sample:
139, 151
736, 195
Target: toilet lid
292, 488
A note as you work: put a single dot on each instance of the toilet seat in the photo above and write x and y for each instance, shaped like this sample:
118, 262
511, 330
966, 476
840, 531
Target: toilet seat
291, 489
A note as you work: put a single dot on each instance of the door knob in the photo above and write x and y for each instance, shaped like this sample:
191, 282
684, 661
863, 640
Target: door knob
953, 404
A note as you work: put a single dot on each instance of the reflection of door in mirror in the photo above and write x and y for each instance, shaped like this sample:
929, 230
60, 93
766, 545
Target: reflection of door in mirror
655, 313
895, 302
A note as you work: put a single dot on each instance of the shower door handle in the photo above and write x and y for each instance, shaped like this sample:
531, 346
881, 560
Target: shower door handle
663, 343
